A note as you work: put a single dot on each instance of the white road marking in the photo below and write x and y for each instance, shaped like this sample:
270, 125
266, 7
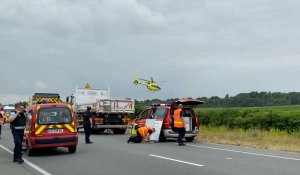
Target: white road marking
228, 158
37, 168
175, 160
243, 152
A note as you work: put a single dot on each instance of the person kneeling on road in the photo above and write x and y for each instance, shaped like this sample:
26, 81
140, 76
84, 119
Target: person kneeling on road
143, 133
133, 131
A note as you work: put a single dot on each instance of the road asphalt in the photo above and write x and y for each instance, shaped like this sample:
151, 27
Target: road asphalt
111, 155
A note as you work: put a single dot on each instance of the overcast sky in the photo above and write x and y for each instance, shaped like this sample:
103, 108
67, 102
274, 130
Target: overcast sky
200, 47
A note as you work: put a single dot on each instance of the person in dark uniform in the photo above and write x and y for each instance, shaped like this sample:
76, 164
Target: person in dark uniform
18, 123
87, 124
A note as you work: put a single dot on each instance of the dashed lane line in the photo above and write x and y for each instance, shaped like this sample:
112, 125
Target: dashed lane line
175, 160
244, 152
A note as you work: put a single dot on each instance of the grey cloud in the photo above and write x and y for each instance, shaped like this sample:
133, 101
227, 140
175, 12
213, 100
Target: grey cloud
201, 47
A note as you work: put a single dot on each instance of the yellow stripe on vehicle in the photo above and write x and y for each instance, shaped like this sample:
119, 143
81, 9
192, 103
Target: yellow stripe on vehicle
70, 128
51, 126
36, 125
40, 129
58, 126
73, 123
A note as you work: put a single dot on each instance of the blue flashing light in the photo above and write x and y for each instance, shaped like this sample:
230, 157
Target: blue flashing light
157, 104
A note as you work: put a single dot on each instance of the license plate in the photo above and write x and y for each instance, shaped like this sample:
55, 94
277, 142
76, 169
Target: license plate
53, 131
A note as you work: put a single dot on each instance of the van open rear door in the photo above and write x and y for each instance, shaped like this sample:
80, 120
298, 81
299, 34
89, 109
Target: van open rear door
187, 103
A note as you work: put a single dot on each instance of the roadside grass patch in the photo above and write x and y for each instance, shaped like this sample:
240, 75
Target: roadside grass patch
273, 139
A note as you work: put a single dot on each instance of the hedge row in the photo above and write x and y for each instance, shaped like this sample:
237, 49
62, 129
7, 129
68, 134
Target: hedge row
251, 119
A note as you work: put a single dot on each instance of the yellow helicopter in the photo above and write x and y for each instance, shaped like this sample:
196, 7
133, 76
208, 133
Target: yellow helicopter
151, 85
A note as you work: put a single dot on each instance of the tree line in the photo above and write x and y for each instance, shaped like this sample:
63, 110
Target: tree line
252, 99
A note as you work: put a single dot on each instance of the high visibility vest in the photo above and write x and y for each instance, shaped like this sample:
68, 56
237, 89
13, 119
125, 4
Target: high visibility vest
144, 131
5, 116
178, 122
133, 132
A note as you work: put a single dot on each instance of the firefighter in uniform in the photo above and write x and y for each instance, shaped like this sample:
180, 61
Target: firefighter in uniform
133, 132
143, 133
179, 124
87, 124
18, 123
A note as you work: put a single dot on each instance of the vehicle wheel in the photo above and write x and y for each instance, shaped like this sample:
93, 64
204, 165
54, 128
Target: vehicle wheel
30, 152
162, 137
72, 149
189, 139
101, 130
119, 131
94, 131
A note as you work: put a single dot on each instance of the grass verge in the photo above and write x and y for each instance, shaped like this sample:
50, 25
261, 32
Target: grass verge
273, 139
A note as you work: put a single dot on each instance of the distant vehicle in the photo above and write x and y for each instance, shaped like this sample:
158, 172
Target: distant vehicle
9, 109
107, 113
53, 124
164, 112
150, 84
6, 111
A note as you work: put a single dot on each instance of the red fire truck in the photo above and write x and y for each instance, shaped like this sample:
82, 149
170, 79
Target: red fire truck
52, 124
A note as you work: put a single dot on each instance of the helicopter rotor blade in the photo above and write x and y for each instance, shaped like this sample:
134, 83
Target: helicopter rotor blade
144, 79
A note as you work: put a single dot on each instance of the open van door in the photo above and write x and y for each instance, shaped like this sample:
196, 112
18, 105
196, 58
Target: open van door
187, 103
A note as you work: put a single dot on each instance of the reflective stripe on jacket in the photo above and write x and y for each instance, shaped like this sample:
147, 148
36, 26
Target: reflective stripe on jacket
133, 132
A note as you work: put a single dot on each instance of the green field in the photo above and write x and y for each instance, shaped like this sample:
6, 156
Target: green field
292, 108
283, 118
276, 127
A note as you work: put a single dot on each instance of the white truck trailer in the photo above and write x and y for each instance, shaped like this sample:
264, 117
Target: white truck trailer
107, 113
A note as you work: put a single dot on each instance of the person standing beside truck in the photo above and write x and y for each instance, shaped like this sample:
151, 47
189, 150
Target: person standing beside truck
18, 123
87, 124
179, 124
